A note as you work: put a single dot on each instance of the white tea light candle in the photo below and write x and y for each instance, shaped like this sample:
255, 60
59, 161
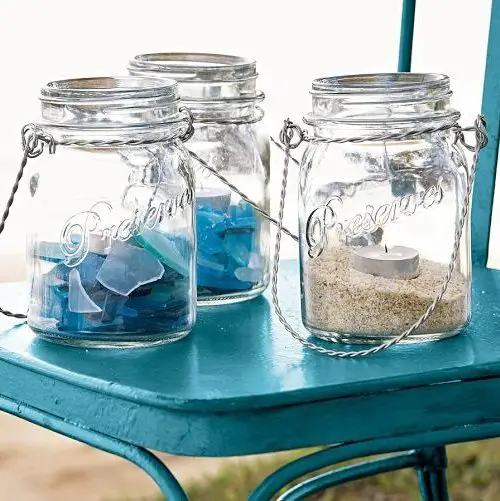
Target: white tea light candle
394, 262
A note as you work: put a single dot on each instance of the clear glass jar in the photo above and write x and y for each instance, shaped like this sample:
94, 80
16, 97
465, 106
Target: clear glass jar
378, 218
112, 244
233, 242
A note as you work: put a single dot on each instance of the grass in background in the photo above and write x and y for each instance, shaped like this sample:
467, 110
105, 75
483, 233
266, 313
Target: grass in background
473, 475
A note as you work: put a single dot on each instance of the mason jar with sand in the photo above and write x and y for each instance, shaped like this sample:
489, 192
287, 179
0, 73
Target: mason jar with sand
378, 218
233, 240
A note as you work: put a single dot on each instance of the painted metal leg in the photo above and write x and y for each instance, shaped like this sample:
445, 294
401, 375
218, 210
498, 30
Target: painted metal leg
432, 439
482, 205
350, 473
406, 36
321, 459
432, 474
141, 457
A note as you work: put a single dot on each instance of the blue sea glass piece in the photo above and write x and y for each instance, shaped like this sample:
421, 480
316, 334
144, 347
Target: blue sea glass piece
143, 290
170, 250
224, 284
128, 267
210, 238
248, 238
236, 249
225, 243
170, 275
87, 323
164, 322
161, 296
87, 269
208, 220
176, 309
52, 278
109, 302
242, 223
209, 217
59, 273
48, 251
210, 243
215, 276
241, 209
210, 264
78, 299
221, 227
172, 311
242, 216
128, 312
62, 292
51, 300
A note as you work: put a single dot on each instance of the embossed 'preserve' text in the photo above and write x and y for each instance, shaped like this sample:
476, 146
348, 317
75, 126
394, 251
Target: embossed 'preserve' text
104, 221
325, 219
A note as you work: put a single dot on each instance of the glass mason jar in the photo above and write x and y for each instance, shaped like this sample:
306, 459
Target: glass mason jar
233, 242
378, 218
112, 244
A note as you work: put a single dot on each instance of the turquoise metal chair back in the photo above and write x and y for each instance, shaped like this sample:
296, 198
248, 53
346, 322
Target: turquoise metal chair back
482, 204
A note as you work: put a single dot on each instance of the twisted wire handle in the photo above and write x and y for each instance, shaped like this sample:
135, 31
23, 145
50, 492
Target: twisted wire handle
34, 142
283, 149
287, 137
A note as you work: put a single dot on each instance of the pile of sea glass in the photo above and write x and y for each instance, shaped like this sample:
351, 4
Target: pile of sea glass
141, 285
228, 258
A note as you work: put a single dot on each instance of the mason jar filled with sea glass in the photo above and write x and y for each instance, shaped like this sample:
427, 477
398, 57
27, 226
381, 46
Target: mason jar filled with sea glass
379, 218
112, 240
233, 241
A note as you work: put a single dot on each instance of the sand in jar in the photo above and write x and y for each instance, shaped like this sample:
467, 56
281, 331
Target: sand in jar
343, 304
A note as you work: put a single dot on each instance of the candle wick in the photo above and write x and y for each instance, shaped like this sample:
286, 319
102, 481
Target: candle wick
385, 248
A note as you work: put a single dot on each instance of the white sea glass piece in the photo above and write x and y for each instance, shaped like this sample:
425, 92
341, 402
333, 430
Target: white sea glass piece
78, 299
127, 267
245, 274
255, 261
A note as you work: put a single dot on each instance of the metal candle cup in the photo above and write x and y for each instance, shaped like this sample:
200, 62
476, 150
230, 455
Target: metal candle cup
394, 262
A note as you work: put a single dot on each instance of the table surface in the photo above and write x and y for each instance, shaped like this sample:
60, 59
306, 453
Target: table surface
238, 361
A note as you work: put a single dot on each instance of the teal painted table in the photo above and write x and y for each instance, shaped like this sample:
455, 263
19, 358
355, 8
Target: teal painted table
240, 385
